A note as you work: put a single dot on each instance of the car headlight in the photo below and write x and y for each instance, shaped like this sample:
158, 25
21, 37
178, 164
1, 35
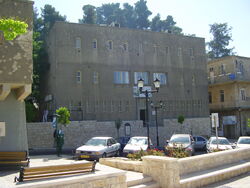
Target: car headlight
78, 151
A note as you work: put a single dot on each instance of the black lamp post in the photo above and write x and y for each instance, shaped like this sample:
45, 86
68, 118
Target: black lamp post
156, 107
146, 92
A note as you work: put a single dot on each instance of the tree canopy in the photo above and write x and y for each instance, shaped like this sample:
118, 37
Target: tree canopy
222, 36
89, 14
134, 17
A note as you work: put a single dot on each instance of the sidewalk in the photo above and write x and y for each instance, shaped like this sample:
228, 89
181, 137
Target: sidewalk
242, 181
7, 177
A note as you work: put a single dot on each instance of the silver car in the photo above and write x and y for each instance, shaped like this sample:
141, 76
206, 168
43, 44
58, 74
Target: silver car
184, 141
218, 144
243, 142
98, 147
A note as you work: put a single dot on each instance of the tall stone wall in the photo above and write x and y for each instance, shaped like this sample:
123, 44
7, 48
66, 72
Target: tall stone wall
40, 135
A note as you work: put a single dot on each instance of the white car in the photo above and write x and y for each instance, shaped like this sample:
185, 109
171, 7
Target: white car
184, 141
243, 142
98, 147
223, 144
136, 144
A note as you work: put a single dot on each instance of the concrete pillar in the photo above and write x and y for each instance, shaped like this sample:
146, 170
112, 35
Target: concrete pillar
164, 170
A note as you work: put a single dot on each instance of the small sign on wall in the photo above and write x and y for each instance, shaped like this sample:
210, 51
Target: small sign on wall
2, 128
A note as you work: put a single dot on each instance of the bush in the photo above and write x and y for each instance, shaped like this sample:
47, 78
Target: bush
176, 152
138, 155
64, 116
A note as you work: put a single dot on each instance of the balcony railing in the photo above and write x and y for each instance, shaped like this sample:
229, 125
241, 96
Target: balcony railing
236, 104
229, 77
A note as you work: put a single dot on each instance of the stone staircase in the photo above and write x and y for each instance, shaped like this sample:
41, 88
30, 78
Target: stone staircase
138, 180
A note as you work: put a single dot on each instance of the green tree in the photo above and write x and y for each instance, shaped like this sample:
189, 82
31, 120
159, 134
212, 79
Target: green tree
181, 119
107, 13
89, 14
129, 16
11, 28
156, 23
142, 14
63, 115
118, 124
218, 46
49, 17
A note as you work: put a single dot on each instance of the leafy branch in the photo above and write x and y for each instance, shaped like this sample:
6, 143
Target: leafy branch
12, 28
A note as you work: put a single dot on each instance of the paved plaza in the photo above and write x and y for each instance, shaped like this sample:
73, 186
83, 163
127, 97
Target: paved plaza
7, 177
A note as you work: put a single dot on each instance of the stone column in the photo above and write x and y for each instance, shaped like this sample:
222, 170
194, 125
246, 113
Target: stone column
164, 170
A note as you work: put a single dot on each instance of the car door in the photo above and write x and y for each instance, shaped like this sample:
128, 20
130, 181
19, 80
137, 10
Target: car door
109, 148
200, 142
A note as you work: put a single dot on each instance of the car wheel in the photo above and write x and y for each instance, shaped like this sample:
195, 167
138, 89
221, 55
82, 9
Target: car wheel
117, 153
104, 155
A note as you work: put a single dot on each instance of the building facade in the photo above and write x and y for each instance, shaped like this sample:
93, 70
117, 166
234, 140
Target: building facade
229, 94
94, 72
16, 68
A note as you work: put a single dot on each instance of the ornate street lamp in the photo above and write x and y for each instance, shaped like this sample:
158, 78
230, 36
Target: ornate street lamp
146, 92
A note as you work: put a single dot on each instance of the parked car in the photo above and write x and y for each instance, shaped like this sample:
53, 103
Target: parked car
185, 141
136, 144
98, 147
223, 144
243, 142
200, 143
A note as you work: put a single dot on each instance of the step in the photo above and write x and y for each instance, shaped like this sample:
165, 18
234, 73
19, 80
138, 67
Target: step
199, 179
151, 184
138, 179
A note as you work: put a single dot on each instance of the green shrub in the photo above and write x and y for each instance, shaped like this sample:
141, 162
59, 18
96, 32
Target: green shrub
176, 152
64, 115
138, 155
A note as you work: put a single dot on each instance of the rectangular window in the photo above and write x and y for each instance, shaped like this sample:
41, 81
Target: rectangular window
125, 46
121, 77
112, 106
167, 50
110, 45
95, 77
78, 43
191, 52
243, 94
193, 80
222, 69
179, 52
210, 99
94, 43
78, 77
139, 75
120, 106
222, 96
160, 76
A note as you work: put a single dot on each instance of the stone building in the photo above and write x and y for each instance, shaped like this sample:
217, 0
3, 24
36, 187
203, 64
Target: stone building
229, 94
94, 71
15, 77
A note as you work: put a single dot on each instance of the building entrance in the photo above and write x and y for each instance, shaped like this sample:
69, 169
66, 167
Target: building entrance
143, 116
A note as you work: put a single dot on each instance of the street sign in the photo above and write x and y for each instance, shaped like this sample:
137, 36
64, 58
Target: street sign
215, 119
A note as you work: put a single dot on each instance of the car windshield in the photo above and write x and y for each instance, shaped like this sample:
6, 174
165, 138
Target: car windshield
138, 141
244, 141
96, 142
220, 141
179, 139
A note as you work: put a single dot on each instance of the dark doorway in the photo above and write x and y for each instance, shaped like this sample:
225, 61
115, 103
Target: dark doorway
142, 116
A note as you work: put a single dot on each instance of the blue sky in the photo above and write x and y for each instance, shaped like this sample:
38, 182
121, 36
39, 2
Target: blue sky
193, 16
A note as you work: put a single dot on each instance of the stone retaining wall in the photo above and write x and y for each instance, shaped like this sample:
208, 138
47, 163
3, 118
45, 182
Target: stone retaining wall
40, 135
